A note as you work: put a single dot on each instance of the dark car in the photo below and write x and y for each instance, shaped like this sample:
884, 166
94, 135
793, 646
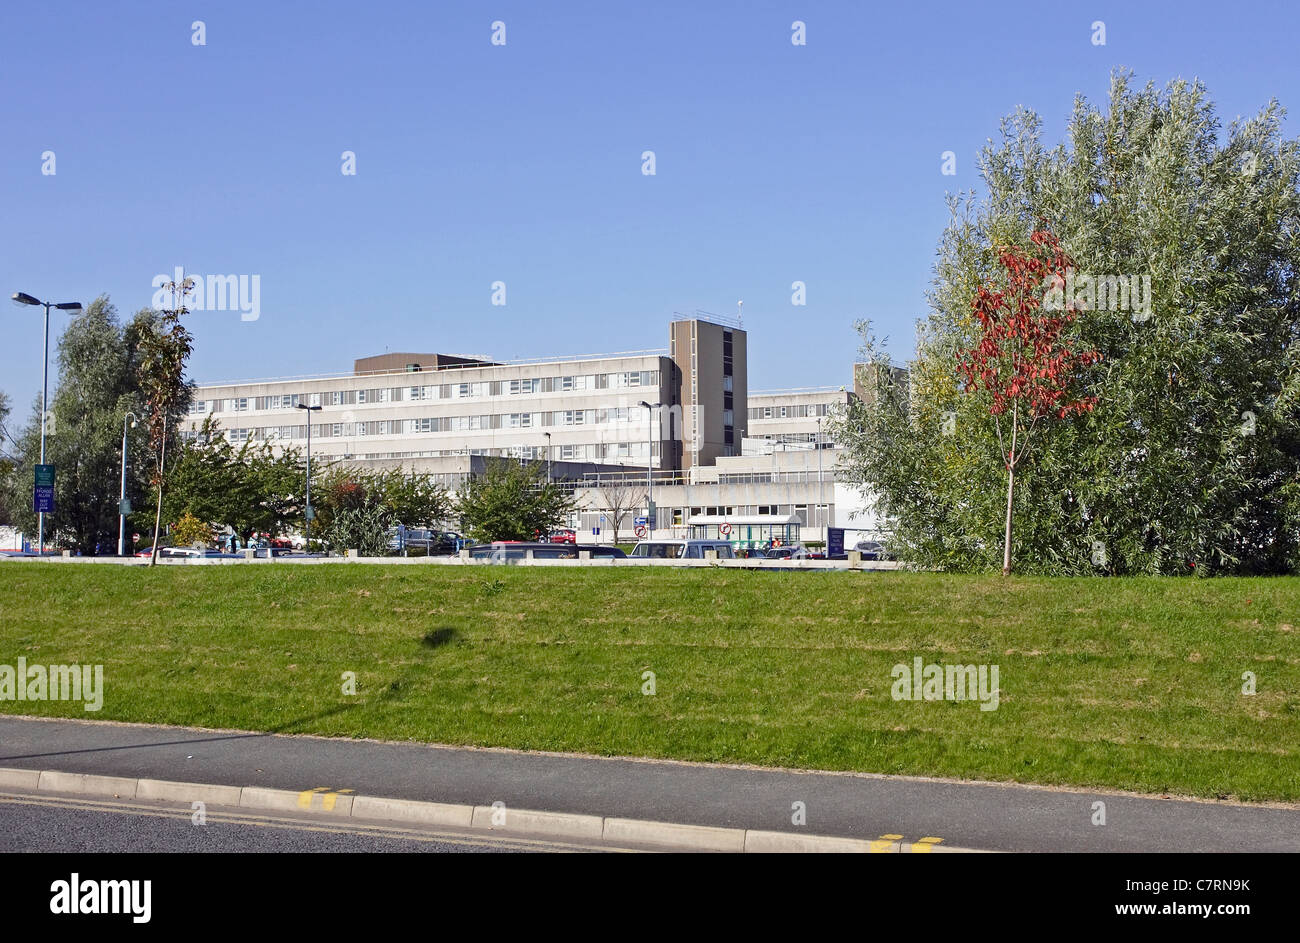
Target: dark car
505, 551
871, 550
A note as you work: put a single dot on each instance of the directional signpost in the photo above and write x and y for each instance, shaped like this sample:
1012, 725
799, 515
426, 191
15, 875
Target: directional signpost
43, 491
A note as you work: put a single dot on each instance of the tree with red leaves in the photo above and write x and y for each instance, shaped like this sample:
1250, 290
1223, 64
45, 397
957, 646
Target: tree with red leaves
1024, 360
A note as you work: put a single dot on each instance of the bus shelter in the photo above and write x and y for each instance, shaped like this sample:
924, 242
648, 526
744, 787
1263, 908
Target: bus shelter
748, 531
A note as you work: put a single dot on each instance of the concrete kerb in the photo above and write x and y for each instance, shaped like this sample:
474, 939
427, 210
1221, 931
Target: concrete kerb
488, 818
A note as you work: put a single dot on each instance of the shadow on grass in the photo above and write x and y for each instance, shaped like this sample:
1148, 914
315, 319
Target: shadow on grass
439, 637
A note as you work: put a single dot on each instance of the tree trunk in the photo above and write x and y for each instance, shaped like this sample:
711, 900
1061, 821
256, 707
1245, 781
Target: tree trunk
157, 520
1011, 484
1006, 548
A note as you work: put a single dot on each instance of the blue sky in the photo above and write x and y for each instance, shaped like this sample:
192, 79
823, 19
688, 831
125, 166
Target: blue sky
522, 163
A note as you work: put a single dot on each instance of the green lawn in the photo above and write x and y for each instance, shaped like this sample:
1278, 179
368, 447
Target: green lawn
1125, 683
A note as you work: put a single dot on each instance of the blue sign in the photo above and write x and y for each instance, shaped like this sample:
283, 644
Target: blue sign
43, 490
834, 542
639, 522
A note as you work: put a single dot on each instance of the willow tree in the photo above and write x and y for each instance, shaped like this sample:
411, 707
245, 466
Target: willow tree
1185, 238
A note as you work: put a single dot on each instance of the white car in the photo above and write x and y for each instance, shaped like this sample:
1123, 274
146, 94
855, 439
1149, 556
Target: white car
681, 550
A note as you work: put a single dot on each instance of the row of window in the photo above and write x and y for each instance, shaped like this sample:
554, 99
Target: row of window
427, 424
578, 452
816, 515
789, 412
437, 391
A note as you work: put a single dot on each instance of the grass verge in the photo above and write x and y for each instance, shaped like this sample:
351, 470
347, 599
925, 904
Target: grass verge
1122, 683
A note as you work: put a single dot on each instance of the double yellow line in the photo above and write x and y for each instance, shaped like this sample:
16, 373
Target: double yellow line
328, 797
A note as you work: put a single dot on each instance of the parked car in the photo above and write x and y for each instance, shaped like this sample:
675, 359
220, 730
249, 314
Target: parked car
508, 551
564, 535
871, 550
273, 552
682, 549
793, 552
189, 553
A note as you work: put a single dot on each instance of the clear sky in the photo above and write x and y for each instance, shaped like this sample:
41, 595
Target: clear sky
522, 163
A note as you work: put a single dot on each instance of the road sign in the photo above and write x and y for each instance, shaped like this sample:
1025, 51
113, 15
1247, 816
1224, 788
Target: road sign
640, 522
724, 529
310, 513
124, 507
43, 490
602, 518
834, 542
640, 530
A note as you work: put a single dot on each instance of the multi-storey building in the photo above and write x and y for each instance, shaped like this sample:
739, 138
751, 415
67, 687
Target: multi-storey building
426, 411
801, 417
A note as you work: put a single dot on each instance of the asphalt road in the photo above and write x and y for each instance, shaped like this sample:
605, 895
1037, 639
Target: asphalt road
972, 815
42, 822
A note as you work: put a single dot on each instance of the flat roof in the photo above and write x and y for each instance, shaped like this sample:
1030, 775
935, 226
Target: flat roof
449, 369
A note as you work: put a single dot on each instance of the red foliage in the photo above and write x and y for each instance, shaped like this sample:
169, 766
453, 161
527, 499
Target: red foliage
1023, 358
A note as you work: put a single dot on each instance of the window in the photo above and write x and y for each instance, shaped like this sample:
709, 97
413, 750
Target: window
199, 406
238, 406
728, 384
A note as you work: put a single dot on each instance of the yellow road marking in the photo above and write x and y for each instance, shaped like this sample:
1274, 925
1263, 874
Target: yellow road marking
882, 844
923, 845
304, 798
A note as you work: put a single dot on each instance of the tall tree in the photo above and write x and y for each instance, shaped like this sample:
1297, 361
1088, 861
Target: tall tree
96, 387
1185, 242
164, 350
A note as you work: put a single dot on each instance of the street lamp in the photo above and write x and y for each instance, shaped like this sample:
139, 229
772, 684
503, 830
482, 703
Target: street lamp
649, 462
821, 485
121, 504
22, 298
309, 513
548, 457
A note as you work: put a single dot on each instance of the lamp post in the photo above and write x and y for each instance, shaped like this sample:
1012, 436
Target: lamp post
121, 516
821, 485
548, 457
22, 298
649, 464
308, 514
